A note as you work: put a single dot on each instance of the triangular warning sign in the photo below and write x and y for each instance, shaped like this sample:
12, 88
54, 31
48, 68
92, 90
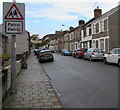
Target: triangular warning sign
14, 13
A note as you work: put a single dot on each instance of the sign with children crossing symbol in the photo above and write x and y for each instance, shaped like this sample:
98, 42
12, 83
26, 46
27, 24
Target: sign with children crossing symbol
14, 13
13, 18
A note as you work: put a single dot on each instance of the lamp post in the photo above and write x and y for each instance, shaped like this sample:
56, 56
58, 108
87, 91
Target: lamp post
68, 39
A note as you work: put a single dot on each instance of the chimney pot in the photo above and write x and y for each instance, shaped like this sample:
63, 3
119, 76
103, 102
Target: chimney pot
97, 12
71, 28
81, 22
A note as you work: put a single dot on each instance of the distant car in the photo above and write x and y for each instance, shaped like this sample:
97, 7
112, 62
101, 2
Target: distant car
52, 48
1, 61
113, 56
38, 51
45, 55
80, 53
74, 52
66, 52
94, 54
35, 51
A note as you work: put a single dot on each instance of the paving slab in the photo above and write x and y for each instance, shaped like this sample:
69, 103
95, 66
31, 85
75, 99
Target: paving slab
34, 89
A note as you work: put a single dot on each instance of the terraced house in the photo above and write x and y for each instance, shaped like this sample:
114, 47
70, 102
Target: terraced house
102, 31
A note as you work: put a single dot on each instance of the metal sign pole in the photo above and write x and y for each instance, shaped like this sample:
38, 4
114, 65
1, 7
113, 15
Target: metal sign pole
13, 65
14, 0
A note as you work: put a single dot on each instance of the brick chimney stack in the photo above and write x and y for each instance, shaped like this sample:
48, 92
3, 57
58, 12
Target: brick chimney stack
81, 22
71, 28
97, 12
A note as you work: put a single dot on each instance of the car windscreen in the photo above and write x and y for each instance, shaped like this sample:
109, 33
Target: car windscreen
98, 50
83, 50
118, 51
66, 50
45, 52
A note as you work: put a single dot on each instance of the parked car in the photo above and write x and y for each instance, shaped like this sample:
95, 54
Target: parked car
38, 51
52, 48
79, 53
66, 52
35, 51
1, 61
45, 55
94, 54
113, 56
74, 52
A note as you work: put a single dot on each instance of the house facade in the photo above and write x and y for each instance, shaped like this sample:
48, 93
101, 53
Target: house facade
105, 31
101, 31
22, 42
3, 44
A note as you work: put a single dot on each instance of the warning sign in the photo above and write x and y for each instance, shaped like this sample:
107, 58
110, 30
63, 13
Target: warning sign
13, 27
14, 13
13, 18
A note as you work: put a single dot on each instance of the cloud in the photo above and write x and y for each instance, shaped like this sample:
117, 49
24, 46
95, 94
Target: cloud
62, 11
90, 1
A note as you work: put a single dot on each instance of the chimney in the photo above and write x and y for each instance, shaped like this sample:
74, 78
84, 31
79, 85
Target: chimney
81, 22
97, 12
71, 28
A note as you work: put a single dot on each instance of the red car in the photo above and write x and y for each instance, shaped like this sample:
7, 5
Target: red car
1, 61
80, 53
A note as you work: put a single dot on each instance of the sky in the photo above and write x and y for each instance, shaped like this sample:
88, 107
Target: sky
47, 16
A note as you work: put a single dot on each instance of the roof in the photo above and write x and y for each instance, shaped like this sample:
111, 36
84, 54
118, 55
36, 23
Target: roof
108, 13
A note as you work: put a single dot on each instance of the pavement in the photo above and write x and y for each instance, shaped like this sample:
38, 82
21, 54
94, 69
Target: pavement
34, 89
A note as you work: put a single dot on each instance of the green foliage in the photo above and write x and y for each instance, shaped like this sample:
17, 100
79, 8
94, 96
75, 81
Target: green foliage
33, 37
6, 56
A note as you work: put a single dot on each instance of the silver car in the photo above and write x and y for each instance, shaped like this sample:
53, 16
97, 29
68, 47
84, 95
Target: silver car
45, 55
94, 54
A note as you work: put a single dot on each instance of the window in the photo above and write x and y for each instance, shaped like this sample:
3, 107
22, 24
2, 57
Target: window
93, 29
84, 32
105, 24
90, 31
101, 26
97, 27
117, 51
76, 46
102, 44
112, 51
87, 31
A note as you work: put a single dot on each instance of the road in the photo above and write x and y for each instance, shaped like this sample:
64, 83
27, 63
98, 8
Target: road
84, 84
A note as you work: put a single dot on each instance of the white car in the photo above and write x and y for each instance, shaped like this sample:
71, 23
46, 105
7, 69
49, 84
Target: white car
113, 56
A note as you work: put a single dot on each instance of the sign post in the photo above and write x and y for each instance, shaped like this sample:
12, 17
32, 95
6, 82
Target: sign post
13, 65
13, 24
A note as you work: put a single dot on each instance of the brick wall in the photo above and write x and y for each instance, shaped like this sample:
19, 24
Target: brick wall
7, 81
113, 30
99, 35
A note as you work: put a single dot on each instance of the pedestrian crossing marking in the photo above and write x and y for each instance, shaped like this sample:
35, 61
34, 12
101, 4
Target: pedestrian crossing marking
14, 13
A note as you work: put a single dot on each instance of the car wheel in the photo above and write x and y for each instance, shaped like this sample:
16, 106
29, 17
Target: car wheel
105, 61
77, 56
90, 59
84, 58
119, 63
40, 61
52, 59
